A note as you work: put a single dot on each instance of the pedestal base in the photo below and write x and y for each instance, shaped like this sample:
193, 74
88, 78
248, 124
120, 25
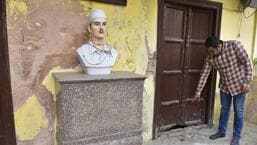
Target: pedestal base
99, 109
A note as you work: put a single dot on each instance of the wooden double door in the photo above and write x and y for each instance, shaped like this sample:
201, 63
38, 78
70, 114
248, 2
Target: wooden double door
183, 27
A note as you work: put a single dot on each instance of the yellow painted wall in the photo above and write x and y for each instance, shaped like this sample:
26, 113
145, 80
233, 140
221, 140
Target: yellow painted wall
16, 7
235, 26
29, 119
36, 29
132, 30
255, 44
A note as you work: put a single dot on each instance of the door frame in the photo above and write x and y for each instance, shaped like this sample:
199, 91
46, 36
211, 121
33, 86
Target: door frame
7, 132
217, 7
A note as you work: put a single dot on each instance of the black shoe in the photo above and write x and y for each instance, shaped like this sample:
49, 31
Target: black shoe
234, 141
217, 135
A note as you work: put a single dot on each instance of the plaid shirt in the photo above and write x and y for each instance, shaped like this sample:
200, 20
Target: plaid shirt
233, 65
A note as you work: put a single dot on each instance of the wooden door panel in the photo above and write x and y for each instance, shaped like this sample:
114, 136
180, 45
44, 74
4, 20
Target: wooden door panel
193, 113
174, 22
170, 82
168, 120
193, 110
191, 83
171, 65
197, 56
202, 21
172, 56
200, 27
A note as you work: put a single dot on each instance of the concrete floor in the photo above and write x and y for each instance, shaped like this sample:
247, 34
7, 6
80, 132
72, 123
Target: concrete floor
199, 135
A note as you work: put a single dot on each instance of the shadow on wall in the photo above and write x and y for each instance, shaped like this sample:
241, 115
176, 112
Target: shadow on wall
251, 100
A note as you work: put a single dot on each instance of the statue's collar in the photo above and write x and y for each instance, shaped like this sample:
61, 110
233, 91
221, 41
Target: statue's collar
93, 48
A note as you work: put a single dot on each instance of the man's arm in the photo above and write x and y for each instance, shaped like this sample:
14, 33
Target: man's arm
203, 78
244, 58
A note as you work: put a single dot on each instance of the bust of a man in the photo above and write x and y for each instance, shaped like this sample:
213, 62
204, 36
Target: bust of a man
96, 56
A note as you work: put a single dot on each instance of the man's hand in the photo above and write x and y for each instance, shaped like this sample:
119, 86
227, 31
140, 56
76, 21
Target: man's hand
196, 98
245, 88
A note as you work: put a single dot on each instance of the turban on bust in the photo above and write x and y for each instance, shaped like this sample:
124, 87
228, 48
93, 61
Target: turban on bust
98, 13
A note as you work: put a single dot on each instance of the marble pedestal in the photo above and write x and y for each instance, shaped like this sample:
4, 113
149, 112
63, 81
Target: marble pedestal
99, 109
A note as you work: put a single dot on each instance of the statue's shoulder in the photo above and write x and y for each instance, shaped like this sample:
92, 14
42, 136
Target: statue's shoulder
111, 48
83, 48
114, 51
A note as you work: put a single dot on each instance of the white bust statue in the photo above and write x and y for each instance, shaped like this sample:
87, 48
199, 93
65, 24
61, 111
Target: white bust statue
96, 56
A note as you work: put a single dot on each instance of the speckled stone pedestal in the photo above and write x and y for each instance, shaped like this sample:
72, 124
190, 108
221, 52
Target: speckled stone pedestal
99, 109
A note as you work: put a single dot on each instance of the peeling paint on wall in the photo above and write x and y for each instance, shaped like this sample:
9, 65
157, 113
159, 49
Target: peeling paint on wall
127, 29
42, 34
148, 108
17, 7
29, 119
251, 109
49, 81
55, 129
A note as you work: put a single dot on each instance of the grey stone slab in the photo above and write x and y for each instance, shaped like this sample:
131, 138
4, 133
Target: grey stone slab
75, 77
106, 110
115, 139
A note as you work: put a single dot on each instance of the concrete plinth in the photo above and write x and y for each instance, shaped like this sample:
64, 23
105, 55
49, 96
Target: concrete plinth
99, 109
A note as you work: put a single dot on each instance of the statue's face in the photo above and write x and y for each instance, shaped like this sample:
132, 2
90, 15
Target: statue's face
97, 28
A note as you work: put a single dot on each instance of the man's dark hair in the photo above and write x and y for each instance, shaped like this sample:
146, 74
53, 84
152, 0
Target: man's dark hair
212, 42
